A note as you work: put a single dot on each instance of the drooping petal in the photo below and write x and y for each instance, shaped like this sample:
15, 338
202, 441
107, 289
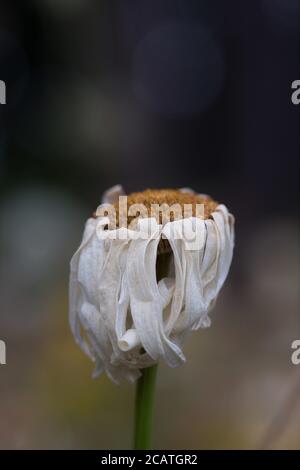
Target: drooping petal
74, 287
226, 243
177, 248
186, 238
112, 194
96, 332
187, 190
217, 254
84, 308
129, 340
122, 308
90, 261
109, 285
145, 299
210, 263
166, 288
194, 296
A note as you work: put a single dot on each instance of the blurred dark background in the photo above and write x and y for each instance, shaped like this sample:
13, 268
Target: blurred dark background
160, 93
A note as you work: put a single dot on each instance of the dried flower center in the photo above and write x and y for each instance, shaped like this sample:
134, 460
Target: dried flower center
167, 205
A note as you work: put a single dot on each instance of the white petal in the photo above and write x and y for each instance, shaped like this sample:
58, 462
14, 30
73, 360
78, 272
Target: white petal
129, 340
179, 235
122, 308
96, 332
74, 287
100, 342
204, 322
210, 263
225, 235
166, 288
187, 190
177, 305
90, 262
109, 283
218, 254
111, 195
146, 302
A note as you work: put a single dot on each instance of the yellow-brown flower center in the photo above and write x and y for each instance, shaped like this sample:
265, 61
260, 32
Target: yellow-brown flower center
167, 203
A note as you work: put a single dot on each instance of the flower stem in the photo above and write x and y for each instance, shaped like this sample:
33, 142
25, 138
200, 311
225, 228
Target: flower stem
144, 406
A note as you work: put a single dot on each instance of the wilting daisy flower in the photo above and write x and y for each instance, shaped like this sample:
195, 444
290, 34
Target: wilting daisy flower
138, 285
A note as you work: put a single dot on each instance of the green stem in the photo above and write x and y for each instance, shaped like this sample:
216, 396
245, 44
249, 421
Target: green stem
144, 406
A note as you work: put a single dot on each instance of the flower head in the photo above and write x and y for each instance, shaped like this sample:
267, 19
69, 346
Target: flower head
141, 281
